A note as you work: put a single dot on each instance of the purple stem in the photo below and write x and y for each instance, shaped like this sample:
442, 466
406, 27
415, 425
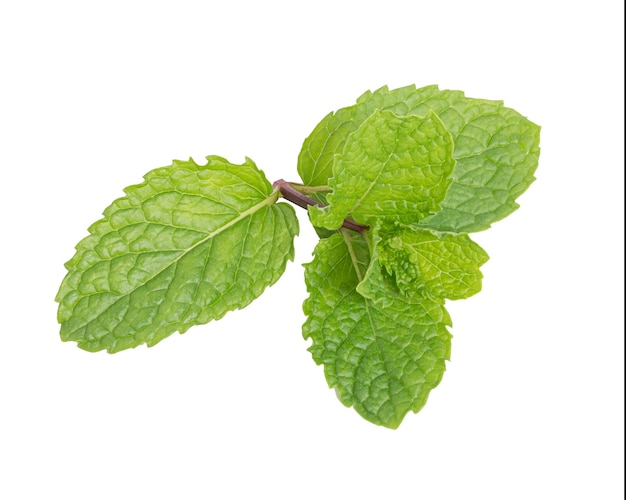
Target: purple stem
302, 200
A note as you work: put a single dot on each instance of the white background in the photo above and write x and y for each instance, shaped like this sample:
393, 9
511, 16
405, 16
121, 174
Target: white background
95, 94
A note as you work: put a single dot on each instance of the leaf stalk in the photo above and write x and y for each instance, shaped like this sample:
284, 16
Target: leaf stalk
291, 193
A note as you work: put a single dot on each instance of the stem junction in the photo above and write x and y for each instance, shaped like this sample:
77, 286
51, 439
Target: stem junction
290, 191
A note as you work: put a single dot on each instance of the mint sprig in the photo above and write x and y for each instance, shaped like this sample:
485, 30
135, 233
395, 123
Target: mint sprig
392, 185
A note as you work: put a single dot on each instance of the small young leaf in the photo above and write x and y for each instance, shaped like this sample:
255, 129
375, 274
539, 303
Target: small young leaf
442, 265
496, 150
383, 359
183, 248
395, 168
315, 161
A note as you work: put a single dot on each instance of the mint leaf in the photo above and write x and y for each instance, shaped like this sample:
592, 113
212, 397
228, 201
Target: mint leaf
183, 248
315, 161
497, 153
495, 147
391, 168
442, 265
383, 359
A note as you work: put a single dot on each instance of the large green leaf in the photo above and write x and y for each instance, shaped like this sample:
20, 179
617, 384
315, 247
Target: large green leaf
391, 167
495, 147
383, 357
183, 248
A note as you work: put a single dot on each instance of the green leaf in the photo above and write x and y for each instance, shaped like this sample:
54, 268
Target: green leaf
383, 359
442, 265
391, 167
496, 150
315, 161
182, 248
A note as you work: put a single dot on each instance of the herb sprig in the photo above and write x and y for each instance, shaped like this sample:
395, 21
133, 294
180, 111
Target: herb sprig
392, 184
